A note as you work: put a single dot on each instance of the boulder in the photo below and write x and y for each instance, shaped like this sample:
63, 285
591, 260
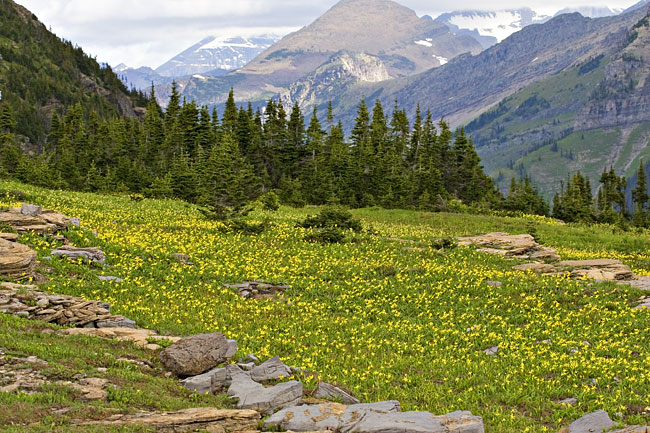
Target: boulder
232, 349
271, 369
16, 259
253, 395
92, 254
185, 421
371, 418
195, 355
326, 390
31, 210
201, 383
594, 422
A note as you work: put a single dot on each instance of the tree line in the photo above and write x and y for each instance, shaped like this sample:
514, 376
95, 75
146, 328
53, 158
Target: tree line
191, 153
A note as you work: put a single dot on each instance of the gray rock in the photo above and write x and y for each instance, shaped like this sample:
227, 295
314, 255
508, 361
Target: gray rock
104, 305
246, 367
419, 422
194, 355
47, 258
329, 416
253, 395
569, 401
75, 222
271, 369
232, 349
594, 422
115, 322
220, 380
109, 278
73, 253
491, 350
494, 283
201, 383
326, 390
31, 210
250, 358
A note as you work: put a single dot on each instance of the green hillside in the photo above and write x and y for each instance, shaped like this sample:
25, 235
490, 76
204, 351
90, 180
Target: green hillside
40, 73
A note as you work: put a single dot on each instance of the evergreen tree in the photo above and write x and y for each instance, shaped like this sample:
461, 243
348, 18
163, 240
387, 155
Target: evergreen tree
640, 198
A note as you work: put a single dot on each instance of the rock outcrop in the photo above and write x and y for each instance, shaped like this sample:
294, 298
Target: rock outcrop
16, 259
515, 246
253, 395
141, 337
326, 390
30, 218
196, 354
26, 301
188, 420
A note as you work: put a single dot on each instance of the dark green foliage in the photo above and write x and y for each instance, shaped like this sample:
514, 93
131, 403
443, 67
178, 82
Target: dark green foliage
640, 199
270, 201
333, 216
523, 197
591, 65
240, 225
445, 243
326, 235
575, 202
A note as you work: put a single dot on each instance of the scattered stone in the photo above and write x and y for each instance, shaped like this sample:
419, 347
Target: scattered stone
326, 390
644, 304
494, 283
115, 322
109, 278
247, 367
76, 222
26, 301
594, 422
188, 420
272, 369
194, 355
46, 222
569, 401
600, 269
16, 259
92, 254
257, 289
250, 358
371, 418
91, 389
491, 350
31, 210
182, 258
253, 395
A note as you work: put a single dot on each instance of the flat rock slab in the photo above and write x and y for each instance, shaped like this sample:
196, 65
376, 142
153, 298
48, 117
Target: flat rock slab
92, 254
541, 268
188, 420
258, 289
500, 240
43, 221
138, 336
272, 369
16, 259
253, 395
195, 355
596, 263
326, 390
371, 418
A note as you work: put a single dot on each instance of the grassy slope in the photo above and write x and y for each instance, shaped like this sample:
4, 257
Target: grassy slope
381, 320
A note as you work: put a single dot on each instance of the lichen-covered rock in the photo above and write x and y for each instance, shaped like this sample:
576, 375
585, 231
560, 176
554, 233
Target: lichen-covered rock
593, 422
326, 390
45, 221
196, 354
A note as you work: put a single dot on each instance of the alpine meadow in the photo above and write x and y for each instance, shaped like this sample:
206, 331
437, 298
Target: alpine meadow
385, 221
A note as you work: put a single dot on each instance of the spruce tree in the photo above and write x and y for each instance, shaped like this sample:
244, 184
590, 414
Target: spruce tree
640, 198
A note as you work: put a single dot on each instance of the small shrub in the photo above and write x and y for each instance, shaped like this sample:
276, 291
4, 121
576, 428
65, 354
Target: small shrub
270, 201
445, 243
162, 342
136, 197
240, 225
326, 235
333, 216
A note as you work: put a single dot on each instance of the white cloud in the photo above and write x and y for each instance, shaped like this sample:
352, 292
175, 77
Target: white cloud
150, 32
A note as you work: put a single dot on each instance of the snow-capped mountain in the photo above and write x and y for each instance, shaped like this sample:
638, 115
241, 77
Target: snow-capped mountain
591, 11
490, 27
225, 53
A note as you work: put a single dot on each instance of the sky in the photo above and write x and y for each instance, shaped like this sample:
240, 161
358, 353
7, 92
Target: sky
150, 32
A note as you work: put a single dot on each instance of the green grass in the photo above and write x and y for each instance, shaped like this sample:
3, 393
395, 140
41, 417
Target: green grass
380, 319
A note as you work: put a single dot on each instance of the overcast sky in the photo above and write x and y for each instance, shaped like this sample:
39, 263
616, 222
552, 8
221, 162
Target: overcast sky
150, 32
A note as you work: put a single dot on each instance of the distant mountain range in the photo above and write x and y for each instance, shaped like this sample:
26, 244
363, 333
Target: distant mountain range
212, 56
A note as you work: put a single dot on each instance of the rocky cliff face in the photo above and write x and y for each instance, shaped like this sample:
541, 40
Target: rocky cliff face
623, 97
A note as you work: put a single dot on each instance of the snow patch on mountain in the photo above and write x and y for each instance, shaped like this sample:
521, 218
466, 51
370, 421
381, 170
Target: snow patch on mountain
442, 60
